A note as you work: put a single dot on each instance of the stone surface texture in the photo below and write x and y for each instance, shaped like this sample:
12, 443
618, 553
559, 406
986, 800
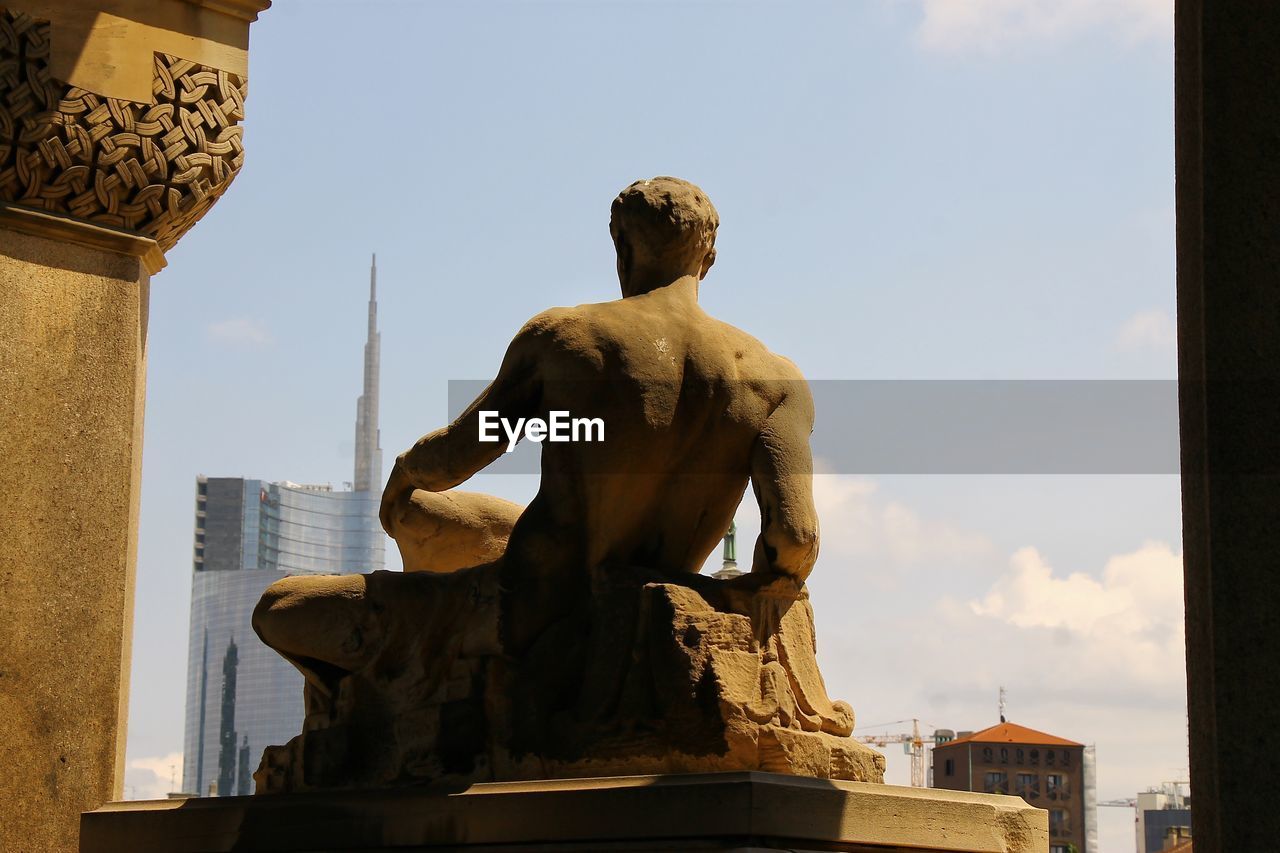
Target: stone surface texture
447, 531
119, 127
665, 678
575, 636
713, 812
153, 167
72, 362
105, 46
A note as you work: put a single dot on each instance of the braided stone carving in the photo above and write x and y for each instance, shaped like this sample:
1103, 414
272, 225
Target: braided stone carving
154, 169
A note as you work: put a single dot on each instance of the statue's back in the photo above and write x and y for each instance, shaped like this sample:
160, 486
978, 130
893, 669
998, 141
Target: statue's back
683, 398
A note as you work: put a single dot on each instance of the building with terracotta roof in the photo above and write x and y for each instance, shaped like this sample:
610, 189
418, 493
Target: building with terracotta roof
1045, 770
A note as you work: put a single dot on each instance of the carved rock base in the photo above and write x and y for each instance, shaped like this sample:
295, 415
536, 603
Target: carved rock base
660, 677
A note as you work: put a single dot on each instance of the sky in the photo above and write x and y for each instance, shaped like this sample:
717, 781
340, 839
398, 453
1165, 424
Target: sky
908, 189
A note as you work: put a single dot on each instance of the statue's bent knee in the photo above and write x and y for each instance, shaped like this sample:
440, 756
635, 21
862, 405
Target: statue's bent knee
326, 618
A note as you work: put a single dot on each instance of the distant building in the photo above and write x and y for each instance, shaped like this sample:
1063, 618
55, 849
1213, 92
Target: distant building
1163, 816
241, 695
1047, 771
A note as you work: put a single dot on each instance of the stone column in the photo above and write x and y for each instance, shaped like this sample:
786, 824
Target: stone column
1228, 179
119, 128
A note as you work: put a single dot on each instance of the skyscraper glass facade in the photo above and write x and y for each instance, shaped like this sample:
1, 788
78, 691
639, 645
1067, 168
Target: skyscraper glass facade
241, 695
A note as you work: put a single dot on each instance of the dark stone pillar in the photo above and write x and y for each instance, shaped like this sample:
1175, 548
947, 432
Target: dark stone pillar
1228, 243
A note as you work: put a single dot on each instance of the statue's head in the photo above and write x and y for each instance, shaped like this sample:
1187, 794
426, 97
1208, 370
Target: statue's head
663, 229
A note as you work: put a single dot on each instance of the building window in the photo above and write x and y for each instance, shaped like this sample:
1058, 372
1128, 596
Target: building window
950, 767
1028, 786
1057, 787
986, 755
1066, 758
1004, 755
1035, 756
1048, 757
1059, 822
1059, 848
1019, 756
996, 783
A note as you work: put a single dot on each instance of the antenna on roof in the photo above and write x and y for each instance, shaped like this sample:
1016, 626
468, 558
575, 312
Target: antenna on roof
1002, 719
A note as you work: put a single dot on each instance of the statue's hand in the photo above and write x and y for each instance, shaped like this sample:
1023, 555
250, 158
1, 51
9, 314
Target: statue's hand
397, 485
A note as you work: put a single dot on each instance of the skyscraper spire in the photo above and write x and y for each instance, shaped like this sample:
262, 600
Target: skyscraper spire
368, 474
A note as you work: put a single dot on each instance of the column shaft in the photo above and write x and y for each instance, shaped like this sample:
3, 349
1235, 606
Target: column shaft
73, 359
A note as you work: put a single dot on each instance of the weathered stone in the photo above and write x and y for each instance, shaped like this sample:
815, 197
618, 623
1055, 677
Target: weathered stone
640, 814
72, 359
153, 164
676, 685
447, 531
575, 637
118, 129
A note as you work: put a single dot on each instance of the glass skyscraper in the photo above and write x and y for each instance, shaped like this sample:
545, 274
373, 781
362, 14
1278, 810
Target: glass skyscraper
241, 695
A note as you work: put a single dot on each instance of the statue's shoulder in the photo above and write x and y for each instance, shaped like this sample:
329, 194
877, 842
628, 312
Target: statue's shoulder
561, 329
754, 357
547, 322
786, 382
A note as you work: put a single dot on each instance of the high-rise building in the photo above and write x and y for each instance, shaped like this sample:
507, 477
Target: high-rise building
368, 476
241, 695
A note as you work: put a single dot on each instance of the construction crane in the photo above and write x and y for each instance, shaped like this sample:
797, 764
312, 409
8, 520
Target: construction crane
1172, 790
914, 745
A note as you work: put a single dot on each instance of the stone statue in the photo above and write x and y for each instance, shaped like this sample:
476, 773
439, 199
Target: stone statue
575, 636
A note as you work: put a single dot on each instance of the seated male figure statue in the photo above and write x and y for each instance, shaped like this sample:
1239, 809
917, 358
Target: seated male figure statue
693, 409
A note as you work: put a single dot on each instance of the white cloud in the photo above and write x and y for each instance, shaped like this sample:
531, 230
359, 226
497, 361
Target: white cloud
857, 524
990, 26
1138, 592
885, 539
153, 778
920, 616
239, 332
1120, 633
1094, 656
1152, 330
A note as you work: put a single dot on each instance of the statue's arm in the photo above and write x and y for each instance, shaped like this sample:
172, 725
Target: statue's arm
782, 478
451, 455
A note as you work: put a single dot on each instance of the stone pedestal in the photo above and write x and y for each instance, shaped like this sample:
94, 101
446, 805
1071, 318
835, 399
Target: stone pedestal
119, 128
726, 811
653, 677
